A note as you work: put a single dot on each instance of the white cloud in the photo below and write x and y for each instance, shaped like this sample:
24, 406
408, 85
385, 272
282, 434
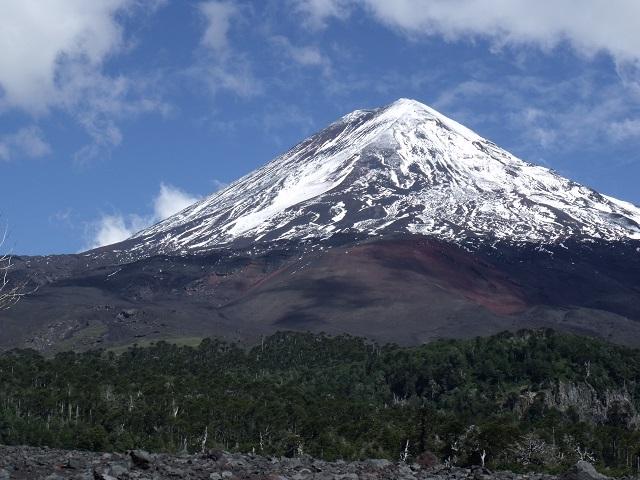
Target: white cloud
624, 130
218, 16
111, 229
318, 11
26, 142
104, 102
37, 39
589, 26
219, 66
218, 185
116, 227
235, 76
170, 201
52, 56
578, 114
629, 73
308, 56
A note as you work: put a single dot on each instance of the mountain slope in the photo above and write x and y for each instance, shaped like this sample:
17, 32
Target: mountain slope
404, 168
397, 224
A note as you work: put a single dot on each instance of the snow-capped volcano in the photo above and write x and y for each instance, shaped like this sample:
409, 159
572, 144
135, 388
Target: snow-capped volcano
397, 224
403, 168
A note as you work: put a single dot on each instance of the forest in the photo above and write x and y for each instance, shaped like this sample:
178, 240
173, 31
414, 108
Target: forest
531, 400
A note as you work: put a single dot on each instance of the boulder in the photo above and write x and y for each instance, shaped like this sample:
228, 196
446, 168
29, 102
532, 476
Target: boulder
583, 471
378, 463
97, 475
141, 459
74, 463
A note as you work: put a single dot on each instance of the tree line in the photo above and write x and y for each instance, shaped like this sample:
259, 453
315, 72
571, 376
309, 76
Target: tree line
486, 400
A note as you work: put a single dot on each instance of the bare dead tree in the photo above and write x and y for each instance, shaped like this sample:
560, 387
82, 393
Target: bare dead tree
9, 294
205, 437
404, 455
11, 291
585, 455
533, 450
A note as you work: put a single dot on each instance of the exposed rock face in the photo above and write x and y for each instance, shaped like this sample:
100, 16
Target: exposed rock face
593, 405
590, 404
28, 463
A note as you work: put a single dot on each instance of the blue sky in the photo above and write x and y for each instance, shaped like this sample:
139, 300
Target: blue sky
116, 113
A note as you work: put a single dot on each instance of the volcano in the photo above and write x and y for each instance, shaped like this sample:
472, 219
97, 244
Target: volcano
403, 168
396, 223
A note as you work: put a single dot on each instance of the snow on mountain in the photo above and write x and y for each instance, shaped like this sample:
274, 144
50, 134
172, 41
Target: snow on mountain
401, 168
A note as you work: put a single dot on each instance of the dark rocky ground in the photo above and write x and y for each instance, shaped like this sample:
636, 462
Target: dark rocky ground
28, 463
408, 290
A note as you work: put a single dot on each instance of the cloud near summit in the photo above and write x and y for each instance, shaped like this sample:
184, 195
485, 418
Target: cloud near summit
114, 228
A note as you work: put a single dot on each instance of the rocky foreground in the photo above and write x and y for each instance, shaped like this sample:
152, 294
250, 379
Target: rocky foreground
49, 464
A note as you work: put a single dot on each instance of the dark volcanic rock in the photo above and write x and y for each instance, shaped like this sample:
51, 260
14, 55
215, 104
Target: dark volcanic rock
141, 459
28, 463
403, 289
583, 471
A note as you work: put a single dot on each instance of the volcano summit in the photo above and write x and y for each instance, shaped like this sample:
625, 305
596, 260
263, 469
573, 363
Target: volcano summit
397, 223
